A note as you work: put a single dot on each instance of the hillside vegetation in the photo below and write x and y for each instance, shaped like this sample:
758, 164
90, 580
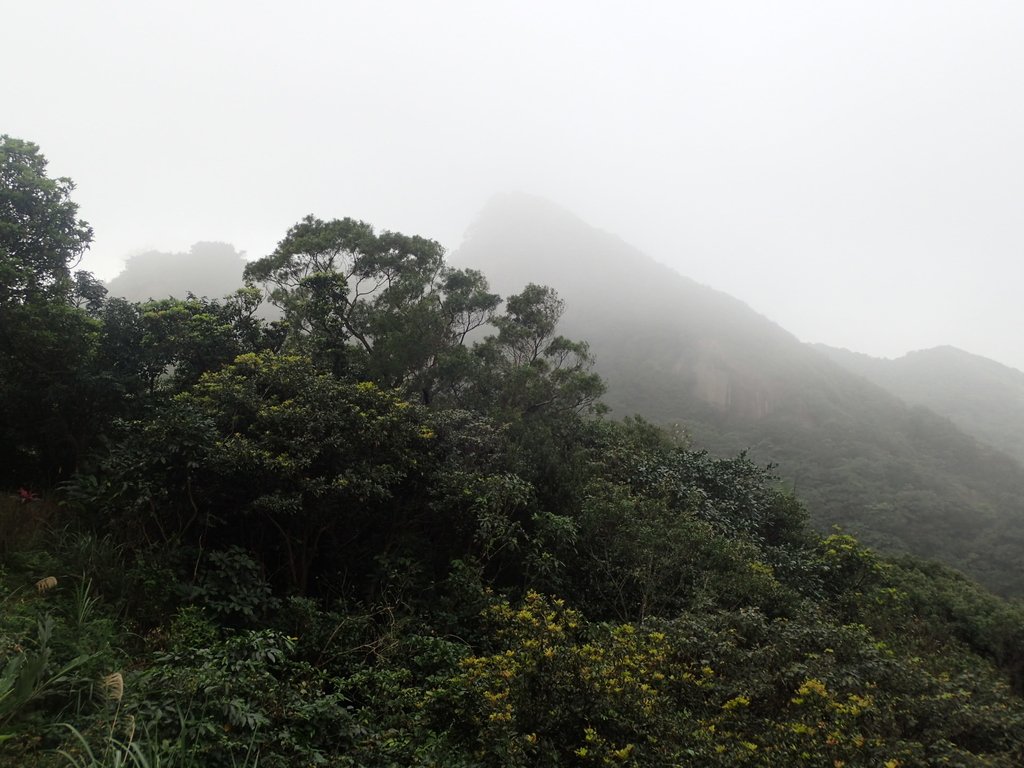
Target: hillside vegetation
901, 477
982, 397
357, 537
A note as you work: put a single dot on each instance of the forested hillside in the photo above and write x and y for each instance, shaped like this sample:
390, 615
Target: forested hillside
982, 397
675, 351
208, 269
394, 528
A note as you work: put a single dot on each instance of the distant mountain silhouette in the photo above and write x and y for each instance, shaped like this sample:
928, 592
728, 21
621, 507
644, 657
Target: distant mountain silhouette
672, 350
213, 270
982, 397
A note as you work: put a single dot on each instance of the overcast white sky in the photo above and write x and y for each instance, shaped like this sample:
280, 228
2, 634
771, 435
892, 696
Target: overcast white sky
853, 170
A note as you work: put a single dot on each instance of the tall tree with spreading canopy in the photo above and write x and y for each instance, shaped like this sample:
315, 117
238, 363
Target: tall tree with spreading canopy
379, 306
46, 341
41, 236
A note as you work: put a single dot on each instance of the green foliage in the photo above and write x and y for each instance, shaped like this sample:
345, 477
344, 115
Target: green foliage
56, 644
240, 696
58, 389
232, 587
193, 336
89, 293
46, 342
272, 454
46, 390
135, 750
380, 306
528, 370
41, 235
352, 539
723, 689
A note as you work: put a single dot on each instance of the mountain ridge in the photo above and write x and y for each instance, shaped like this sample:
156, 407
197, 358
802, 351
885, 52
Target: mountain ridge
981, 396
672, 350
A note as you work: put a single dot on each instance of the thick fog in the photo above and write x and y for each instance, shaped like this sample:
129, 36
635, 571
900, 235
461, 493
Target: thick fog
854, 171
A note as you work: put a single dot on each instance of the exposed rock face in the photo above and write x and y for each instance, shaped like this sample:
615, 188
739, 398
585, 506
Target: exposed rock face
728, 391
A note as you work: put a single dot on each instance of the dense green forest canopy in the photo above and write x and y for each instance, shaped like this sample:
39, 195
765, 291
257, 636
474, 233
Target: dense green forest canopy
393, 527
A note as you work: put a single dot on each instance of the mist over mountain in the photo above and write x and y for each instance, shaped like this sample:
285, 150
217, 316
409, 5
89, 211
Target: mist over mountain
672, 350
209, 269
982, 397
